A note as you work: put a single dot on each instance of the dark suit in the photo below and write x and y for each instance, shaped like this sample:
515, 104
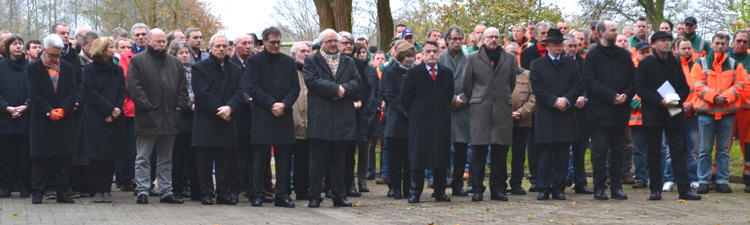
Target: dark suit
578, 176
428, 104
52, 142
527, 55
397, 132
272, 79
550, 82
14, 132
244, 117
331, 123
214, 138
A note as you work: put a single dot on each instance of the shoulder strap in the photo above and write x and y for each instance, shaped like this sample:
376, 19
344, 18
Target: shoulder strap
704, 66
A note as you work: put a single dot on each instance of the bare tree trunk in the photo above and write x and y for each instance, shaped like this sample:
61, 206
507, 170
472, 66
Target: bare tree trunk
385, 19
325, 14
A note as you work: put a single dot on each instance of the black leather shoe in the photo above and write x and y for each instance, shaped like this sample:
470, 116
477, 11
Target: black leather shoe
225, 200
724, 188
152, 193
499, 196
543, 195
583, 190
655, 196
267, 199
517, 191
142, 199
171, 199
689, 195
459, 192
284, 202
559, 196
390, 193
414, 199
341, 202
470, 189
600, 195
25, 193
617, 194
363, 188
314, 203
397, 194
477, 197
207, 200
185, 193
703, 189
533, 188
442, 198
36, 198
257, 201
4, 192
64, 198
352, 192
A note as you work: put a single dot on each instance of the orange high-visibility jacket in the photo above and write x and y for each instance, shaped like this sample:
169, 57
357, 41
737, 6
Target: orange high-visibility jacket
714, 75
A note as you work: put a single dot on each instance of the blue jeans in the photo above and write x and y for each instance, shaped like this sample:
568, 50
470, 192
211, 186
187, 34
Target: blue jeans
383, 158
666, 161
692, 138
639, 153
722, 129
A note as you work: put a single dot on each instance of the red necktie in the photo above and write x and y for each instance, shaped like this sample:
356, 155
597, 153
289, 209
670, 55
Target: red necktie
432, 73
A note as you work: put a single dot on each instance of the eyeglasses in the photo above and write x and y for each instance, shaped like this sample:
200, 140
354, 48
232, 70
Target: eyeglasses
492, 37
52, 55
741, 41
274, 42
347, 43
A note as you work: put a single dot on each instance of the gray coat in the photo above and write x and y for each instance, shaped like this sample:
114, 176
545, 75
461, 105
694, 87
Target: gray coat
489, 92
460, 117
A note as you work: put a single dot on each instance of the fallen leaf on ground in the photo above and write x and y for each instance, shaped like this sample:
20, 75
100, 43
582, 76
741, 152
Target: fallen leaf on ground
450, 210
717, 201
551, 221
528, 216
15, 214
86, 203
76, 214
362, 212
431, 223
568, 219
681, 201
619, 218
481, 214
573, 203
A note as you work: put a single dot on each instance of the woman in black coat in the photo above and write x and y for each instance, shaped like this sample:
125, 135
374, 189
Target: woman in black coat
397, 125
103, 132
51, 83
14, 120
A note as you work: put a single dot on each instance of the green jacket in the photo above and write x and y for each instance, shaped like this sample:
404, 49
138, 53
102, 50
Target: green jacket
699, 45
633, 40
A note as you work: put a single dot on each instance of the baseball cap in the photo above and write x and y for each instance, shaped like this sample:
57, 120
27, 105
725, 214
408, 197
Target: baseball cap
691, 20
406, 32
642, 45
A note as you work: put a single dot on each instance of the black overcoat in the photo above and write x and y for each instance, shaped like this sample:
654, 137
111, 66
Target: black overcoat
51, 138
329, 119
651, 73
397, 124
582, 114
13, 93
550, 82
608, 71
428, 103
214, 87
372, 105
103, 86
272, 79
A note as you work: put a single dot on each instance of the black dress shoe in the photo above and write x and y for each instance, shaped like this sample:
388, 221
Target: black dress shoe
370, 176
185, 193
517, 191
207, 200
703, 189
397, 195
600, 195
499, 196
152, 193
257, 201
142, 199
314, 203
583, 190
442, 198
225, 200
617, 194
414, 199
64, 198
655, 196
36, 198
390, 193
543, 195
284, 202
341, 202
533, 188
4, 192
171, 199
363, 188
689, 195
477, 197
25, 193
352, 192
559, 196
267, 199
470, 189
459, 192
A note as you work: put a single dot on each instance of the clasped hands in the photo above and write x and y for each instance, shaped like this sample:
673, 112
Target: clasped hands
57, 114
561, 104
620, 98
17, 111
341, 93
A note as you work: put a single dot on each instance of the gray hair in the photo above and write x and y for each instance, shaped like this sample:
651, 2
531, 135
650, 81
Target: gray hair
324, 32
293, 49
119, 32
237, 39
569, 37
586, 34
344, 34
176, 46
79, 28
53, 41
88, 37
117, 42
511, 44
447, 35
211, 42
152, 31
627, 28
540, 25
139, 25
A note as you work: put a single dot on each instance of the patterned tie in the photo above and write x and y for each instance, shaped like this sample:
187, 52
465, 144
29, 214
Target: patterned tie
432, 73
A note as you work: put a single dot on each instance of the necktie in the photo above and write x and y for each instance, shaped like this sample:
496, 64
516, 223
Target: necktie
556, 62
432, 73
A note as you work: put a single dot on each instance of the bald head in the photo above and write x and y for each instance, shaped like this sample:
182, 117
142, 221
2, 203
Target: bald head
157, 39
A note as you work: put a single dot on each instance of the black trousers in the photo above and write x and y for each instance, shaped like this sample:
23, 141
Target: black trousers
101, 175
351, 152
459, 163
553, 166
363, 161
675, 140
532, 154
399, 169
222, 158
301, 158
417, 182
579, 158
126, 166
15, 161
518, 154
184, 170
498, 170
244, 166
612, 139
322, 153
283, 156
52, 171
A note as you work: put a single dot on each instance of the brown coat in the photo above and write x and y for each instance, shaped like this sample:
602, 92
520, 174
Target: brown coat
523, 100
489, 91
300, 110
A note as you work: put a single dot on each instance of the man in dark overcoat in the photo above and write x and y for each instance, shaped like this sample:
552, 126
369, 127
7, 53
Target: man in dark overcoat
426, 95
274, 86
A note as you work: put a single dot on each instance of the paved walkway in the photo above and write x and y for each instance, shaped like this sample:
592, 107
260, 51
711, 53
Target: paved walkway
375, 208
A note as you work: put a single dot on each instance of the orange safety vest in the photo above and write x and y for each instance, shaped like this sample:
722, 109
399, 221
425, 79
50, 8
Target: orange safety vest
723, 76
636, 116
685, 63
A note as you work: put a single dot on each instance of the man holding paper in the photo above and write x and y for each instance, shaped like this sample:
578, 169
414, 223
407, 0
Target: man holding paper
661, 84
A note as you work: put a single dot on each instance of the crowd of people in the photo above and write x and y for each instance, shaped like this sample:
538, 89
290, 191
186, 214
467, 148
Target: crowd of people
154, 107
